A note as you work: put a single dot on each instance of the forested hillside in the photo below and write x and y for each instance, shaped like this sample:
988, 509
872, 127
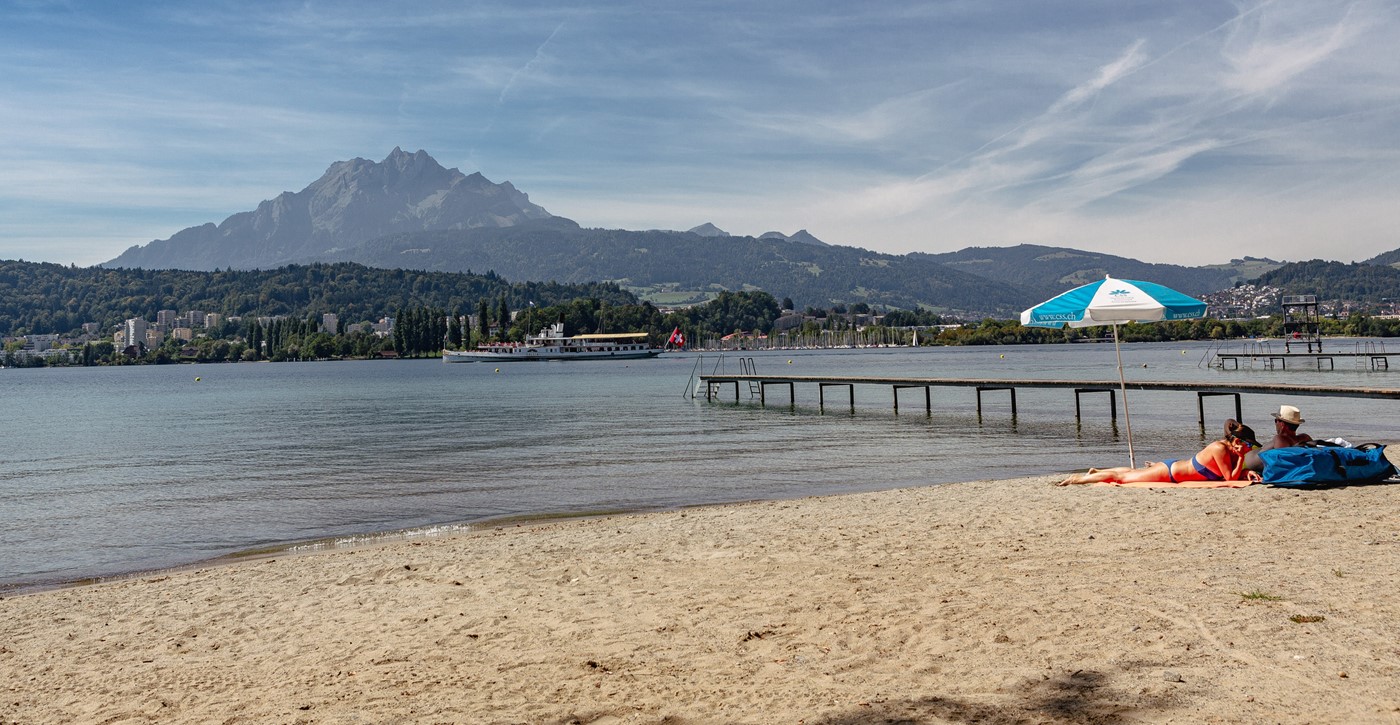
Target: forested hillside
1357, 282
811, 275
1389, 259
40, 298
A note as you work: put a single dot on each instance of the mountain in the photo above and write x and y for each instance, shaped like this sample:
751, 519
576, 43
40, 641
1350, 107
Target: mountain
708, 230
408, 212
1048, 271
658, 260
353, 202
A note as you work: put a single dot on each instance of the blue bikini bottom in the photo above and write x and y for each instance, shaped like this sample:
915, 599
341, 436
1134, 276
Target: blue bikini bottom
1208, 474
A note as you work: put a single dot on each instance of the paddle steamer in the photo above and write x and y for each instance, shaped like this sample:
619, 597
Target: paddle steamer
552, 344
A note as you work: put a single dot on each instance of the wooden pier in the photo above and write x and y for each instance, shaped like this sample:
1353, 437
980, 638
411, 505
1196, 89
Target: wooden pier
758, 384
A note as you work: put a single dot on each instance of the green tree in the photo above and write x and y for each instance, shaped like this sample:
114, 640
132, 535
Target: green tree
454, 331
503, 315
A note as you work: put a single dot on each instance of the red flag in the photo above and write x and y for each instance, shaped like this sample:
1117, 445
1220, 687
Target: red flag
677, 338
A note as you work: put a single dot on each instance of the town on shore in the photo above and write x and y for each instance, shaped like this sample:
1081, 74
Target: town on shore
729, 323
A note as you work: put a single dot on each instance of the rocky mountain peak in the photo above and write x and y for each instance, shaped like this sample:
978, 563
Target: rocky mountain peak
353, 201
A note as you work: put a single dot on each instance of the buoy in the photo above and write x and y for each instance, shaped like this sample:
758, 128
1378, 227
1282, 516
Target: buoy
789, 362
498, 370
1183, 352
196, 378
1144, 364
1003, 357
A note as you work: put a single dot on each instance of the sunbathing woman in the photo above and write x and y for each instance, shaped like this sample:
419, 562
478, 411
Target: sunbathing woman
1221, 461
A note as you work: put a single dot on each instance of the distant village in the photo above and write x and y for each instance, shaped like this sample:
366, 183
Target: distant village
1250, 301
135, 336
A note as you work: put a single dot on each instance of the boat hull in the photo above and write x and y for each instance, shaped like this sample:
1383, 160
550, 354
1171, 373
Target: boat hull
535, 355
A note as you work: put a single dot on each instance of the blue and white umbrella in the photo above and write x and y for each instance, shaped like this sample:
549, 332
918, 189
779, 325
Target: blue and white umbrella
1113, 302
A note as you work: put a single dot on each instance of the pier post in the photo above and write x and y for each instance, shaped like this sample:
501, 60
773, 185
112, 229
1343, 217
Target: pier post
928, 397
821, 394
1112, 401
1201, 396
981, 388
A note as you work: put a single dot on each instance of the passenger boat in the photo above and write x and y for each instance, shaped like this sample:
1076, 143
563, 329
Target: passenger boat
553, 344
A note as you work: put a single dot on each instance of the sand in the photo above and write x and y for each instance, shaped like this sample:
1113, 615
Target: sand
991, 602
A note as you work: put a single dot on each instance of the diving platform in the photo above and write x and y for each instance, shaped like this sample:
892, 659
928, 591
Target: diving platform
714, 385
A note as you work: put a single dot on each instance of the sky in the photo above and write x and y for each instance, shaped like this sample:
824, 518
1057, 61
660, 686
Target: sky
1187, 132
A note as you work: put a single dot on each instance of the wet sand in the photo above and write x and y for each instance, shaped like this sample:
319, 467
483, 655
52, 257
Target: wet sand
994, 602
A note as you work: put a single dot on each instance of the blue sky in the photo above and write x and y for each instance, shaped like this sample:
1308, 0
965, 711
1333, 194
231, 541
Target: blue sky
1188, 133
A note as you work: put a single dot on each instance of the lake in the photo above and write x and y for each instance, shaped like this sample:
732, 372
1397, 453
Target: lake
109, 471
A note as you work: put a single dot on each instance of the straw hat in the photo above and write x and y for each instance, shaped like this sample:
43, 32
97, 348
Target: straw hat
1289, 415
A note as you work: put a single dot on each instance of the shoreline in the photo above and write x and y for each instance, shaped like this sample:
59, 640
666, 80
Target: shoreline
993, 600
305, 547
348, 542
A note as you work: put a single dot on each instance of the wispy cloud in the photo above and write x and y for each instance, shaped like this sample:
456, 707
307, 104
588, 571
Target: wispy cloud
899, 126
529, 66
1131, 60
1267, 49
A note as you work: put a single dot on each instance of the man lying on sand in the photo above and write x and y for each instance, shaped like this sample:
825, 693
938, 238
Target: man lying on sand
1218, 465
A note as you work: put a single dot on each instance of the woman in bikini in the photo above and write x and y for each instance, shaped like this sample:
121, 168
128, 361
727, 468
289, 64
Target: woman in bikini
1222, 460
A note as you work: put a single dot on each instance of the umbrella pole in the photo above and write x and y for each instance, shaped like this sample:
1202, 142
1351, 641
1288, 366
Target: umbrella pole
1123, 386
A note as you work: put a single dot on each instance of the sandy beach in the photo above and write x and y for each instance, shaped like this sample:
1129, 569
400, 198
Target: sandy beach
993, 602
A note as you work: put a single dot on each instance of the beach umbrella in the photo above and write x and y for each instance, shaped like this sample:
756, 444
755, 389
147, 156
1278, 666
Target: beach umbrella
1113, 302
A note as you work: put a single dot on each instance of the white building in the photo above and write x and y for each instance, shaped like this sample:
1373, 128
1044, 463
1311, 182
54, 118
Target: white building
39, 343
135, 331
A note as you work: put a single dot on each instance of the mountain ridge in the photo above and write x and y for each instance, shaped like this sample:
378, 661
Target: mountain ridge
1046, 271
409, 212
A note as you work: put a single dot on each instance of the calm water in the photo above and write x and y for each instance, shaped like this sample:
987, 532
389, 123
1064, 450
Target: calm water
106, 471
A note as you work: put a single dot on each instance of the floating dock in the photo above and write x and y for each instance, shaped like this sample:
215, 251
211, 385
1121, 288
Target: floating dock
759, 384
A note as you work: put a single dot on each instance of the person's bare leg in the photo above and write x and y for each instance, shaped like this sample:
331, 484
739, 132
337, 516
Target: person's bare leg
1093, 475
1155, 472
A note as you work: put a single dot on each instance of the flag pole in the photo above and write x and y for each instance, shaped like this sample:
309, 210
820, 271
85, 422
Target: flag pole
1123, 386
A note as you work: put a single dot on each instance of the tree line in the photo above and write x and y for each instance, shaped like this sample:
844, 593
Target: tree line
281, 314
44, 298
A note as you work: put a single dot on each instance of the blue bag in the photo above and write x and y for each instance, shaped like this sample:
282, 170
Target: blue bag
1317, 462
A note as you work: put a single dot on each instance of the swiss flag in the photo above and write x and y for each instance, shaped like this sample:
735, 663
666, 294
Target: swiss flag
677, 338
